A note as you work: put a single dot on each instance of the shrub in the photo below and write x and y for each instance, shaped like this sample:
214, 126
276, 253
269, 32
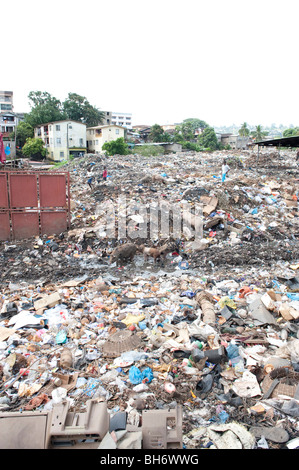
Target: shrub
116, 147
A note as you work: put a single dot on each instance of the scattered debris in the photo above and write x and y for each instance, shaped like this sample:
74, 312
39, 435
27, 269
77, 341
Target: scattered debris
195, 348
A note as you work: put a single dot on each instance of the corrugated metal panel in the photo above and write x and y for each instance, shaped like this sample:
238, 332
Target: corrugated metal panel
24, 224
52, 190
33, 203
53, 222
3, 192
23, 190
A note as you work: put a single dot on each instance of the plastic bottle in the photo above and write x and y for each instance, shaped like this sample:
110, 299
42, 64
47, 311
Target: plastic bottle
44, 378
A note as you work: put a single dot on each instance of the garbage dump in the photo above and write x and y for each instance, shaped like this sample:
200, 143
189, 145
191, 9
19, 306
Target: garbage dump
147, 339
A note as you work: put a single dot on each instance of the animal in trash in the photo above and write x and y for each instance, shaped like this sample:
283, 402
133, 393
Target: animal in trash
123, 252
158, 252
150, 252
153, 179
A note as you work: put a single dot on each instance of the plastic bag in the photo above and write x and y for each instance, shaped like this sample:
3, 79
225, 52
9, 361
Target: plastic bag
137, 377
59, 394
232, 351
130, 356
227, 301
61, 337
188, 293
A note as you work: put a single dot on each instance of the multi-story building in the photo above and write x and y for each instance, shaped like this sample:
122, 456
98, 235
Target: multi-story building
107, 118
6, 101
98, 135
234, 141
8, 123
8, 120
63, 139
118, 119
122, 119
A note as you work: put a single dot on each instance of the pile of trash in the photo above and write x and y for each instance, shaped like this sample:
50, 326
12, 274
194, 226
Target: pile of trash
197, 348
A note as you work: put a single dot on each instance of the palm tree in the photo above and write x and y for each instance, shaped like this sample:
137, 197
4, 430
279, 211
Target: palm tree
244, 131
259, 134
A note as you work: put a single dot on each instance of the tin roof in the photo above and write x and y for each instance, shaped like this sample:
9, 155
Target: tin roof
281, 142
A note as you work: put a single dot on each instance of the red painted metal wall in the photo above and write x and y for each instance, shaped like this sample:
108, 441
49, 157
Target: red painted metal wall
33, 203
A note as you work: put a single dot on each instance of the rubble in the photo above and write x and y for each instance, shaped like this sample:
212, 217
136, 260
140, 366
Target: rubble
198, 348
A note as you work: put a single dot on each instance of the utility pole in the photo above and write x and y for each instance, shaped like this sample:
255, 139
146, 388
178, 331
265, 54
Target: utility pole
15, 141
67, 141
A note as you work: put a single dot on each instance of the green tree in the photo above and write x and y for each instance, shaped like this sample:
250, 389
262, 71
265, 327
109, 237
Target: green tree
208, 139
40, 98
157, 134
184, 132
244, 131
24, 130
259, 134
196, 123
116, 147
34, 149
291, 132
44, 108
78, 108
191, 146
167, 137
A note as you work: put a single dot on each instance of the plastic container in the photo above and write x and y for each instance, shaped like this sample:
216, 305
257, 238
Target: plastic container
215, 356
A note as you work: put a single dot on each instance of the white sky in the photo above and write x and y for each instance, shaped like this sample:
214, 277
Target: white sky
222, 61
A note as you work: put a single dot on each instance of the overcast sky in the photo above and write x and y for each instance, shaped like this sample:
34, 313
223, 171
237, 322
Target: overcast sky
163, 61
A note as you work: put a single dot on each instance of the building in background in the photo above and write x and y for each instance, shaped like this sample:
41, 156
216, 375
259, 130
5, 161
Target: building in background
234, 141
143, 131
97, 136
9, 120
8, 123
107, 119
118, 119
63, 139
6, 101
169, 127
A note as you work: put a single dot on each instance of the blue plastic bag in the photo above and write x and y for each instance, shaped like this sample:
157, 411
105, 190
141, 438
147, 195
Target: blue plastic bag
223, 416
232, 351
147, 375
293, 295
188, 293
137, 377
142, 325
61, 337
